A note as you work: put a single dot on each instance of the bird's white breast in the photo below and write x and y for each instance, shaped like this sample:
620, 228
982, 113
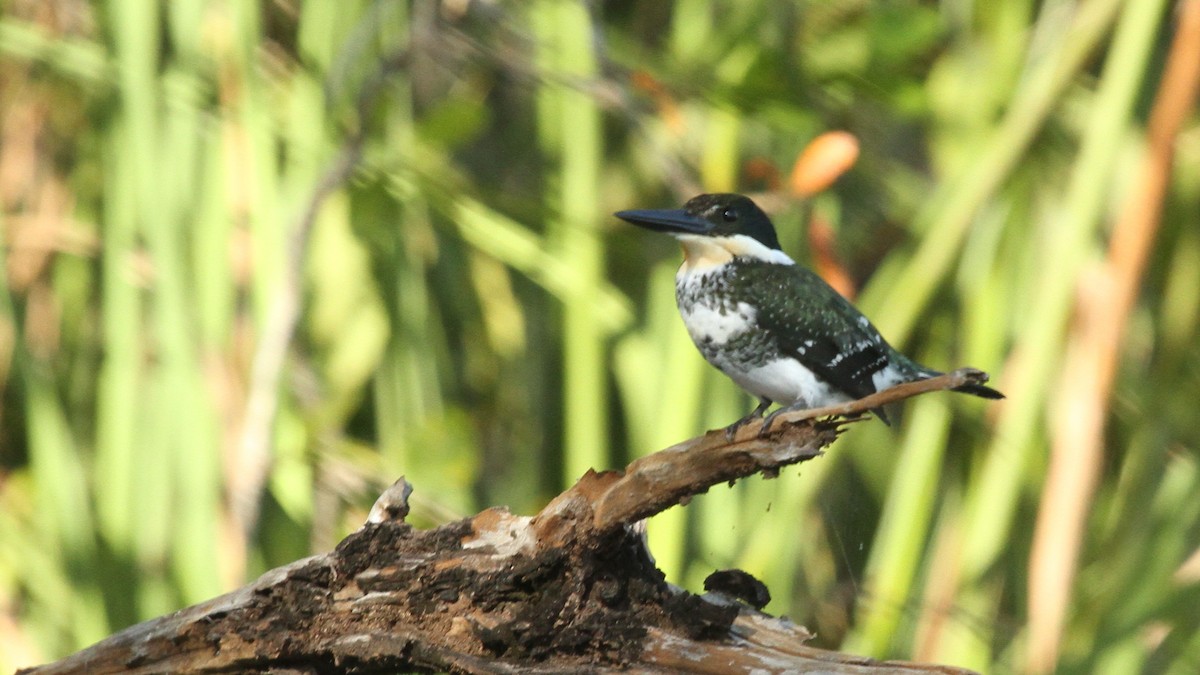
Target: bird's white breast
711, 326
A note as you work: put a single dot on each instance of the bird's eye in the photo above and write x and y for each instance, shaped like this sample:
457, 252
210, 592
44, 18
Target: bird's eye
729, 215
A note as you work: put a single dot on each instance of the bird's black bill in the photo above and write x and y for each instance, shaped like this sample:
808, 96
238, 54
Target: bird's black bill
666, 220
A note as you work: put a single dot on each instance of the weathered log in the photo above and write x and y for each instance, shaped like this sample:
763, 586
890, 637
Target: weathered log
570, 590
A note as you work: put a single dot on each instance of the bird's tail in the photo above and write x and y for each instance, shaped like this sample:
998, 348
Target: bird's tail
916, 371
972, 388
979, 390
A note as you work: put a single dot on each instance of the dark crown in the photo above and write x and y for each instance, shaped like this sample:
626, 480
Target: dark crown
731, 214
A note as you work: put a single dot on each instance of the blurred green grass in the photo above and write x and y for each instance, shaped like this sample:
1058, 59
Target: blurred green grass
470, 316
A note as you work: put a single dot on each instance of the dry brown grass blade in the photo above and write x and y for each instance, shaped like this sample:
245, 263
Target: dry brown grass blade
1106, 299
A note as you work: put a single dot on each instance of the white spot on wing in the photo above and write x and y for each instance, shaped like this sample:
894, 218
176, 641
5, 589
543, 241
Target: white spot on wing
888, 376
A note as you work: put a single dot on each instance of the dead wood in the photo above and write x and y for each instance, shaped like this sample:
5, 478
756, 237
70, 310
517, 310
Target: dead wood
571, 590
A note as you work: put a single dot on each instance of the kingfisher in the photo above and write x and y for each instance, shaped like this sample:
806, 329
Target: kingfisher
774, 327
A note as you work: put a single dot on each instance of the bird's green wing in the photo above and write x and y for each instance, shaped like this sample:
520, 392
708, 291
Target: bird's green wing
815, 325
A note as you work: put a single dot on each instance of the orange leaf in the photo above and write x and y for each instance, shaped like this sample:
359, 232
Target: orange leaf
825, 159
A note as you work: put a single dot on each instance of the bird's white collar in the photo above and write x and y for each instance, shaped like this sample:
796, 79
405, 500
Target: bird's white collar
704, 253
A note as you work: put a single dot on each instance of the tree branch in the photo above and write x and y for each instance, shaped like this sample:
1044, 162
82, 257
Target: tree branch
571, 590
659, 481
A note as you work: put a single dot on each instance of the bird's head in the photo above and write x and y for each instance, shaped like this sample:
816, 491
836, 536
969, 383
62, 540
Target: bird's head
715, 228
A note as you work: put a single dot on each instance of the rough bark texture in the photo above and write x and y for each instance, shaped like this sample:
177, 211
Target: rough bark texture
571, 590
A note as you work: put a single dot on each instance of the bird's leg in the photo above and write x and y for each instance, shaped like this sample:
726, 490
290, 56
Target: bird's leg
731, 430
766, 426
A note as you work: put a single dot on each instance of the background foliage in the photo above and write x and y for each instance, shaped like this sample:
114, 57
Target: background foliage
260, 259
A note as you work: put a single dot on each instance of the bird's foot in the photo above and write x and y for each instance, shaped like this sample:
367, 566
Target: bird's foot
766, 426
732, 429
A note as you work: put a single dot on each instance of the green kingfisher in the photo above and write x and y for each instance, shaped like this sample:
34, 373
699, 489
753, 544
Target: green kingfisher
775, 328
